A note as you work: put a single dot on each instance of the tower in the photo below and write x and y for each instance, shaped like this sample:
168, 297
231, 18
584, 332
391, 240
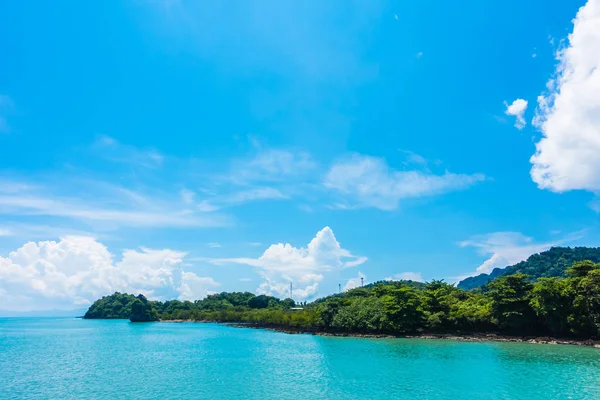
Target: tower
362, 281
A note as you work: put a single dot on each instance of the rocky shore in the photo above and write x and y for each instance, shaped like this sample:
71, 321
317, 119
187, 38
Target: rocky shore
465, 337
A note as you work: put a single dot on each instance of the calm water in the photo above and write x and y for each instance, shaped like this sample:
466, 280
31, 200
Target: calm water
79, 359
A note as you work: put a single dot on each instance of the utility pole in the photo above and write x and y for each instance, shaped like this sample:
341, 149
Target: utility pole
361, 281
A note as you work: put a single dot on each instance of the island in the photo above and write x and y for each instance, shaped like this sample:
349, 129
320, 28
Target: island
516, 305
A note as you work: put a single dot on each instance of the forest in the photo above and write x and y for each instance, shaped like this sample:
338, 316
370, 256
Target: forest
547, 264
515, 304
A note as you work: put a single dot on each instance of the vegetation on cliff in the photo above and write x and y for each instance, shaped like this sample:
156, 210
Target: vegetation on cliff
513, 304
547, 264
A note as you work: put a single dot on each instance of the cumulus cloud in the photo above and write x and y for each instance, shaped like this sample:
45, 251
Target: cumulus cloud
517, 109
568, 115
406, 276
306, 266
76, 270
365, 181
355, 282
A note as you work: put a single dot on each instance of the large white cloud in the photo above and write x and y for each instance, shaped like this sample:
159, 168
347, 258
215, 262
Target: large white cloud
305, 267
365, 181
566, 158
76, 270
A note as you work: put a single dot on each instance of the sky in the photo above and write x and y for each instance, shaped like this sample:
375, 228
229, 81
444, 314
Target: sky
181, 148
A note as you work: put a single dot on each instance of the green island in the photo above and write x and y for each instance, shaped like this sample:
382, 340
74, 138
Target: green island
518, 305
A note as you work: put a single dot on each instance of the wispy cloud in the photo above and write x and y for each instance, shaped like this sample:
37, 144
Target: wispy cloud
236, 198
272, 165
111, 149
119, 206
365, 181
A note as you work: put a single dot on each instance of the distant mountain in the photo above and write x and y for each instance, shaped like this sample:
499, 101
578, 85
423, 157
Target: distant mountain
547, 264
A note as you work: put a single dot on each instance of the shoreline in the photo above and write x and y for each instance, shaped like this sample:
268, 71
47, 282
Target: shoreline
461, 337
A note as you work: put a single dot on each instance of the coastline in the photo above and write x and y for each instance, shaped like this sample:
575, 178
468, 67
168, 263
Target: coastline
471, 337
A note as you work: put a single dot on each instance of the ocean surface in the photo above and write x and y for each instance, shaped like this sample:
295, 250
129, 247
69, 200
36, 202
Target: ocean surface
68, 358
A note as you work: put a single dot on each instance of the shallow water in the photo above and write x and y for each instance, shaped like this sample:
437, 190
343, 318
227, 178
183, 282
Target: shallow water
82, 359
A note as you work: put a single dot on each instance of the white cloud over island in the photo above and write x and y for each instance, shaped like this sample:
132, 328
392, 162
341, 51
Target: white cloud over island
76, 270
305, 267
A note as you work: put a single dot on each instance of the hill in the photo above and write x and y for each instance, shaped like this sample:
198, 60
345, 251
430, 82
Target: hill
547, 264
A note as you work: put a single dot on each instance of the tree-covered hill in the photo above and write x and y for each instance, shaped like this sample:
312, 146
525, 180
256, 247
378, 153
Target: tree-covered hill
511, 304
547, 264
115, 306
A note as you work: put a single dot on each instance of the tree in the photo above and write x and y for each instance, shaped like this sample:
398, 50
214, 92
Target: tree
437, 297
581, 269
511, 304
552, 301
261, 301
401, 307
363, 314
142, 311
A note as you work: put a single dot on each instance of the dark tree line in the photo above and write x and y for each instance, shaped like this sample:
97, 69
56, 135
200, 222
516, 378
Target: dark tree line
566, 306
547, 264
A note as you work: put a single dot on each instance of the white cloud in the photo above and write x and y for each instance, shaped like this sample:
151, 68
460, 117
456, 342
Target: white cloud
517, 109
355, 282
76, 270
406, 276
282, 263
369, 182
568, 116
214, 245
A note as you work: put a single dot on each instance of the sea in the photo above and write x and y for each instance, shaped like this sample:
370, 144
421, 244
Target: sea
71, 358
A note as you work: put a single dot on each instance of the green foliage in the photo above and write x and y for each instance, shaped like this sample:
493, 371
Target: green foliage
547, 264
511, 310
263, 301
514, 304
142, 310
362, 314
115, 306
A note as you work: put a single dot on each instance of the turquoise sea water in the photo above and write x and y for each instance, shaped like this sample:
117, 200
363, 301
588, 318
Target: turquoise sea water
79, 359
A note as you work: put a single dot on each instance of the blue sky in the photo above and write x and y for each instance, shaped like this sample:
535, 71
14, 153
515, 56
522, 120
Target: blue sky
179, 148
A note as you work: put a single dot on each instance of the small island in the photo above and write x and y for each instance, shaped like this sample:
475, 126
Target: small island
505, 308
